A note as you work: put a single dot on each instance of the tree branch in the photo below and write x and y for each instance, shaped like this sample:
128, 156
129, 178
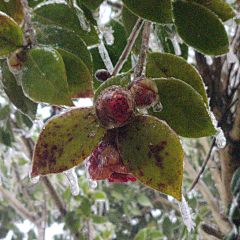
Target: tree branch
128, 48
212, 230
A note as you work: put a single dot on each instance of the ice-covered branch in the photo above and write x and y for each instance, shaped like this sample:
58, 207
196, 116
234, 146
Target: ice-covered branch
128, 48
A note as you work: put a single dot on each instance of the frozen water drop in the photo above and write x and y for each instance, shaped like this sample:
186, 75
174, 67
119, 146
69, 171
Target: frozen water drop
6, 0
220, 139
39, 123
209, 60
72, 178
35, 179
187, 214
157, 107
92, 183
108, 35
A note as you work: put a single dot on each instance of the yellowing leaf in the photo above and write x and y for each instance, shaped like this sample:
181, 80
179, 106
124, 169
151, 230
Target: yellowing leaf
66, 141
152, 152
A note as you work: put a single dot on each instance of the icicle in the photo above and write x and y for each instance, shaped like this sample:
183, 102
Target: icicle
176, 46
220, 139
35, 179
72, 177
187, 214
108, 35
158, 107
105, 57
39, 123
91, 183
209, 60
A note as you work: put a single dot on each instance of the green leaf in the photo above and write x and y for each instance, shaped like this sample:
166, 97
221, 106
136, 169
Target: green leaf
13, 9
152, 152
200, 28
16, 95
235, 183
78, 76
44, 77
60, 15
65, 39
183, 109
99, 195
4, 112
72, 221
153, 10
129, 20
144, 200
11, 37
141, 235
34, 3
167, 227
117, 195
3, 232
155, 234
86, 207
168, 65
98, 219
91, 4
120, 80
222, 9
66, 141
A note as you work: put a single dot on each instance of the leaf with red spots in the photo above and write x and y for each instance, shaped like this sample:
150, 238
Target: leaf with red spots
66, 141
153, 153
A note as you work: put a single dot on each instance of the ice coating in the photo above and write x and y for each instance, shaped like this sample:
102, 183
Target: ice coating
91, 183
108, 35
39, 123
72, 177
176, 46
82, 19
158, 107
105, 57
220, 139
35, 179
187, 214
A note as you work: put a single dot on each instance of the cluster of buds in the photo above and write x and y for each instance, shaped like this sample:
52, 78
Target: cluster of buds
115, 107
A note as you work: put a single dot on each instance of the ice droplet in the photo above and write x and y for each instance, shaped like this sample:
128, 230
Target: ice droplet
39, 123
220, 139
92, 183
157, 107
35, 179
108, 35
187, 214
6, 0
72, 178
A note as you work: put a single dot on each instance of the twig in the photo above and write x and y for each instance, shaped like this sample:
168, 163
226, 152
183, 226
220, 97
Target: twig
223, 224
203, 167
212, 230
144, 50
128, 48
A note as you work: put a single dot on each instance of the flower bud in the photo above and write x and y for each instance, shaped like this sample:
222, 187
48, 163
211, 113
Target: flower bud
102, 75
16, 61
115, 107
145, 92
105, 162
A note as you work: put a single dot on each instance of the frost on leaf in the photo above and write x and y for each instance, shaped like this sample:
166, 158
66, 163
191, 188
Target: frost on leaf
66, 141
105, 162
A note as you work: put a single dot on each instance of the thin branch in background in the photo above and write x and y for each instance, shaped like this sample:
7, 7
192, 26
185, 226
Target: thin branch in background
131, 40
212, 230
114, 4
203, 166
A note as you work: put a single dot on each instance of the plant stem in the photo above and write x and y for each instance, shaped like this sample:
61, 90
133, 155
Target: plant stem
144, 50
128, 48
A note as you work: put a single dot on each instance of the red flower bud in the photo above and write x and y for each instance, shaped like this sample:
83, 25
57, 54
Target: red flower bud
115, 107
105, 162
145, 92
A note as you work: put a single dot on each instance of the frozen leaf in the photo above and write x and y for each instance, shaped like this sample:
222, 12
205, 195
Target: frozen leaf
153, 10
121, 79
168, 65
65, 39
10, 35
66, 141
91, 4
183, 109
78, 76
200, 28
16, 95
44, 77
152, 152
221, 8
13, 9
57, 13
